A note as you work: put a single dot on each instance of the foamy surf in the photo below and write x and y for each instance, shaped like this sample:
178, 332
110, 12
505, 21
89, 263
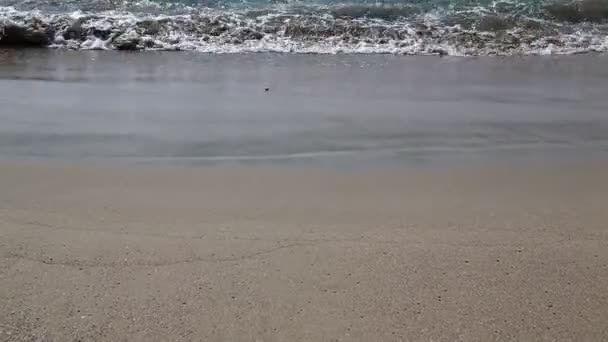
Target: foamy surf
498, 28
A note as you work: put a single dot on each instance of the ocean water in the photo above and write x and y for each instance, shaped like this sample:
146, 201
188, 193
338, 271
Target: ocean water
418, 27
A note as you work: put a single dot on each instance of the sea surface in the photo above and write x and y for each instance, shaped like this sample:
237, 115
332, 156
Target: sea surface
414, 27
349, 109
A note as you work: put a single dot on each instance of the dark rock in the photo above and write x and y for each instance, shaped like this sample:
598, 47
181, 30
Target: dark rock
270, 29
393, 34
151, 27
149, 43
554, 41
101, 34
75, 31
440, 52
217, 30
16, 35
127, 41
248, 34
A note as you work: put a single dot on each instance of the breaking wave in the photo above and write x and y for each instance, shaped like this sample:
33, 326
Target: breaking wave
438, 27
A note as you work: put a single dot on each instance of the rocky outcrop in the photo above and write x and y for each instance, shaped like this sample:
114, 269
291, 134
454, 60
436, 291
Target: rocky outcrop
128, 41
24, 36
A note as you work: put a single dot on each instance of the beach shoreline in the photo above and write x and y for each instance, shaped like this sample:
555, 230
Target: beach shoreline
351, 111
270, 197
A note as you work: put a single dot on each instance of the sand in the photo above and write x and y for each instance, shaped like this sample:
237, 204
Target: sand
293, 254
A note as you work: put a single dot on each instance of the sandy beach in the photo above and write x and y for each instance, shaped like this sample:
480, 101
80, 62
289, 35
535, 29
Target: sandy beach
169, 197
294, 254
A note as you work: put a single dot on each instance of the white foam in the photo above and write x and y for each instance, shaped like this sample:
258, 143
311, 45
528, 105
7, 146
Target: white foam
187, 32
93, 43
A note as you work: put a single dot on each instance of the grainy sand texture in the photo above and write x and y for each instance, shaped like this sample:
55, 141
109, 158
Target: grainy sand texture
292, 254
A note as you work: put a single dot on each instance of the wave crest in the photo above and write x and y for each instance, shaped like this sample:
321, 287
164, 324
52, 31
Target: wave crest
330, 29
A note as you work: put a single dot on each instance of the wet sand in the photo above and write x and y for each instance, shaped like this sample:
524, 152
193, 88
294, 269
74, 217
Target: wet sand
295, 254
344, 110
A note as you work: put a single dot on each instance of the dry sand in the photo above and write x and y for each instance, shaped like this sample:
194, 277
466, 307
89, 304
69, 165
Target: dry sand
252, 254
